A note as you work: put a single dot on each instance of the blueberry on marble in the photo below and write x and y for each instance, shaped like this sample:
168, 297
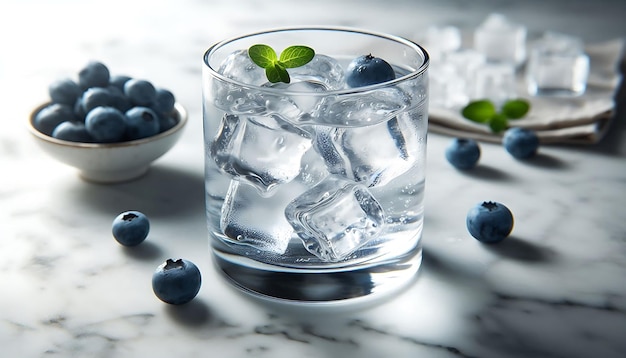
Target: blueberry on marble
463, 153
164, 100
368, 70
64, 91
131, 228
106, 124
521, 143
95, 97
141, 122
51, 116
94, 74
140, 92
176, 281
73, 131
489, 222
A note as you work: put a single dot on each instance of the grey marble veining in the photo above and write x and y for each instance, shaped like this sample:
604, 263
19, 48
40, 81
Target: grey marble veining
555, 288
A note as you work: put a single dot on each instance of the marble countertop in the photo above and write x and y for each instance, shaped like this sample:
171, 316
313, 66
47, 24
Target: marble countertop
555, 288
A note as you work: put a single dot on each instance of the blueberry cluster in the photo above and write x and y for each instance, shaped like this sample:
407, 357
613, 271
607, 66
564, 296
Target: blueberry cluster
174, 281
100, 108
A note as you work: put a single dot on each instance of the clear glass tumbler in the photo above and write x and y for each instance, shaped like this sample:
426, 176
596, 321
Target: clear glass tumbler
314, 190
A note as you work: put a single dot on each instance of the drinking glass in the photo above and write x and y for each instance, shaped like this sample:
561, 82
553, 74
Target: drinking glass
314, 190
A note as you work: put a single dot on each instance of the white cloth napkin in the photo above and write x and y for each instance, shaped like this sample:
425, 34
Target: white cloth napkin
565, 120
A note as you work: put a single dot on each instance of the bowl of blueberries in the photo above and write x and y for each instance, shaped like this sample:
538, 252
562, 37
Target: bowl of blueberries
110, 127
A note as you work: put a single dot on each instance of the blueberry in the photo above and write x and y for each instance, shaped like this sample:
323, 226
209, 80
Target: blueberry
520, 143
106, 124
176, 281
94, 74
130, 228
64, 91
79, 111
51, 116
141, 122
118, 81
463, 153
164, 101
73, 131
368, 70
96, 97
489, 222
166, 122
140, 92
119, 99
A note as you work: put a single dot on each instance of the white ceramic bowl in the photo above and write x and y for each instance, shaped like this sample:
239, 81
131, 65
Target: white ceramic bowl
110, 162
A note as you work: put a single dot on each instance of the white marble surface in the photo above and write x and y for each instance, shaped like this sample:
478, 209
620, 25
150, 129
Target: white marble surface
556, 288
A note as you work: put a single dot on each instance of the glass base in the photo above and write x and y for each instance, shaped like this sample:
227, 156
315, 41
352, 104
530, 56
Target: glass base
320, 286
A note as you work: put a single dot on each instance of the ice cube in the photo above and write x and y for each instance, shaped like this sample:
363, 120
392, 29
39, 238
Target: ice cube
501, 40
363, 108
557, 65
373, 155
465, 63
453, 78
295, 103
264, 151
448, 88
321, 69
245, 218
324, 145
495, 81
312, 169
442, 40
335, 218
237, 98
239, 66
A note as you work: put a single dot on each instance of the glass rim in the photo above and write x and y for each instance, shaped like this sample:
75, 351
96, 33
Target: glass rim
395, 38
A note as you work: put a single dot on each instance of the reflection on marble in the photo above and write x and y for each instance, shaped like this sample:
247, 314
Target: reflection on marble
554, 289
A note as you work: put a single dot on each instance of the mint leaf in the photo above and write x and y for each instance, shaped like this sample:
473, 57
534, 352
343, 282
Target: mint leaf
271, 72
282, 72
277, 73
262, 55
484, 111
480, 111
515, 108
276, 69
498, 123
296, 56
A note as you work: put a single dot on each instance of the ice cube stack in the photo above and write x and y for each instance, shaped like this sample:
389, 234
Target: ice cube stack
489, 69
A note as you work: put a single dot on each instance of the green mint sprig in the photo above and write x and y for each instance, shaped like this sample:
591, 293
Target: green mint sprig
485, 112
276, 67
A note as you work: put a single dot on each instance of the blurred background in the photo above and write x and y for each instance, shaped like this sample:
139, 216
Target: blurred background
42, 40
